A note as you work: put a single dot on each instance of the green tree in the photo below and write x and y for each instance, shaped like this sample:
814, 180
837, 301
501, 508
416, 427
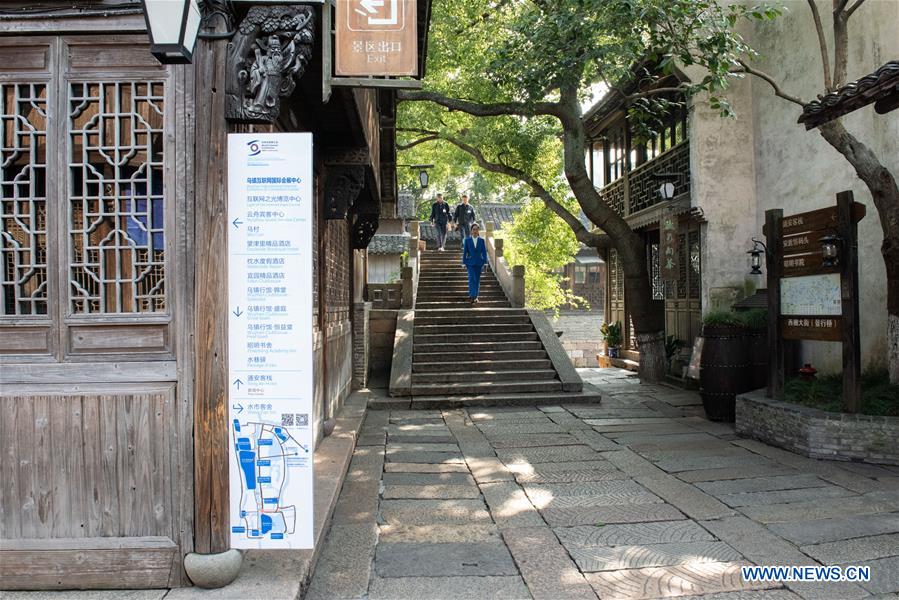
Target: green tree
505, 85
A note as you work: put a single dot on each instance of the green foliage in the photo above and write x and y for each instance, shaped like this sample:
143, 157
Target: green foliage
611, 333
672, 345
723, 317
755, 319
543, 243
879, 396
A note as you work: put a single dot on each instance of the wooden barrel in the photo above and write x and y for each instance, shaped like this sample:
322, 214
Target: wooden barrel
724, 369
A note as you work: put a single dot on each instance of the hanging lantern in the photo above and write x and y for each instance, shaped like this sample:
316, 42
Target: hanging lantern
172, 26
423, 179
667, 190
830, 250
755, 256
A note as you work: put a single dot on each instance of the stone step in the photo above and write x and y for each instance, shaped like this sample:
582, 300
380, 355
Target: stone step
424, 319
481, 376
437, 291
489, 364
422, 350
496, 353
489, 296
484, 400
476, 310
462, 338
486, 329
487, 387
490, 303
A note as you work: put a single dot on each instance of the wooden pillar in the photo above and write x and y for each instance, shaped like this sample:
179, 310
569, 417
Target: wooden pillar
210, 285
847, 229
774, 242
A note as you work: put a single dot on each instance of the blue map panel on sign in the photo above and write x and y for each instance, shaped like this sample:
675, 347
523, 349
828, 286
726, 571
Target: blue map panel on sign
268, 456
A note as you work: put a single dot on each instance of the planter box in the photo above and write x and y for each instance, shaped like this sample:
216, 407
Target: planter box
817, 433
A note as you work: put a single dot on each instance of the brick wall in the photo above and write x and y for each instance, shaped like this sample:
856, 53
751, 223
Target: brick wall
361, 312
816, 433
580, 335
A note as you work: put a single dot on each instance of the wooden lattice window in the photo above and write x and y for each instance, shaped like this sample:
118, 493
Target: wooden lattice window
116, 197
23, 198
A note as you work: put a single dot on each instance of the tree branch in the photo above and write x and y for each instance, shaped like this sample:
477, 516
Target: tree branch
412, 144
848, 12
777, 91
482, 110
838, 6
822, 42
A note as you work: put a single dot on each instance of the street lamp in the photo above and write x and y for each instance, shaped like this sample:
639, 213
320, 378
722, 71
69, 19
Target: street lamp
423, 179
172, 26
667, 190
830, 250
755, 261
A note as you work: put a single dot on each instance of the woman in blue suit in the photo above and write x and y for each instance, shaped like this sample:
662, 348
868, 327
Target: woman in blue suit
474, 257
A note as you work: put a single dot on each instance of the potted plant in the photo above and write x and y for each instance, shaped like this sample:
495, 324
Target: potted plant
724, 367
611, 334
672, 351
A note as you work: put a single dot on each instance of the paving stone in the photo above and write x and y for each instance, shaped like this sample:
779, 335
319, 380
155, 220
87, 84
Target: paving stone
574, 476
344, 568
596, 440
728, 473
436, 492
592, 515
372, 439
569, 422
416, 421
448, 588
693, 502
425, 457
827, 508
357, 503
679, 440
486, 470
427, 479
633, 534
690, 463
680, 580
366, 465
550, 409
747, 595
841, 528
508, 415
856, 549
545, 565
404, 559
533, 440
548, 501
755, 542
641, 433
550, 454
719, 448
761, 484
602, 423
612, 558
583, 489
440, 534
399, 467
632, 463
507, 430
884, 576
599, 464
422, 439
393, 448
590, 412
509, 505
785, 496
425, 512
422, 428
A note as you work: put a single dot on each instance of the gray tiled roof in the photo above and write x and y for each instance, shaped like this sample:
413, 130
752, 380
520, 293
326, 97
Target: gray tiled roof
880, 84
389, 243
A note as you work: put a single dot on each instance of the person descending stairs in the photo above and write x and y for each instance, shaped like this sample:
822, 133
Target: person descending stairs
489, 348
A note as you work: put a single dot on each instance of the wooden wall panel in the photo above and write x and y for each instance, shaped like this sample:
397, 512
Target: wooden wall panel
89, 465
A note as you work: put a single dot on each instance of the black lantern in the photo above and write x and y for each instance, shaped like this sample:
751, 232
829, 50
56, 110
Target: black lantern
755, 256
423, 179
172, 26
830, 250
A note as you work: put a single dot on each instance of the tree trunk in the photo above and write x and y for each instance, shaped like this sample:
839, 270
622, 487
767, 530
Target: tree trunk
885, 193
649, 324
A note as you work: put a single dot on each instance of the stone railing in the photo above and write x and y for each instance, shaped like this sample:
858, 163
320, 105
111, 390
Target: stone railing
409, 273
385, 295
511, 278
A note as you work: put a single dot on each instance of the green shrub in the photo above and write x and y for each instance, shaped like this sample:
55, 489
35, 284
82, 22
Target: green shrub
755, 319
879, 396
722, 317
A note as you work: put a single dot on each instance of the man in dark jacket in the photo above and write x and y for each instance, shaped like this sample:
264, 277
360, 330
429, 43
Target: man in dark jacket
464, 217
440, 217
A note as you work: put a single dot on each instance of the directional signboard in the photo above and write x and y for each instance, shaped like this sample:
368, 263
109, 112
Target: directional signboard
376, 37
270, 339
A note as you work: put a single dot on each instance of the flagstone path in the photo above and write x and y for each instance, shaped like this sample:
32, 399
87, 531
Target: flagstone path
638, 497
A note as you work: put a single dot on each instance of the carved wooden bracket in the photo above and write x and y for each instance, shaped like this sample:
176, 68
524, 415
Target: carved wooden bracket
364, 229
269, 53
342, 185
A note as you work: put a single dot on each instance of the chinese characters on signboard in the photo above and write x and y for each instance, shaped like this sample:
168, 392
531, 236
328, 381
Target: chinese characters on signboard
669, 246
376, 37
270, 432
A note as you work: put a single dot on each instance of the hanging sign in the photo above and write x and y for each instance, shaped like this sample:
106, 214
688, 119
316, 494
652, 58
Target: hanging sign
270, 339
376, 37
669, 246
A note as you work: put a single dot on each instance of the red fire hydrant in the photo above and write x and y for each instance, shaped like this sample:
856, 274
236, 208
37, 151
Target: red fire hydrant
807, 373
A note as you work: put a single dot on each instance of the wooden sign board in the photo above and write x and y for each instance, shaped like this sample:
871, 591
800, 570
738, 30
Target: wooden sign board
816, 220
803, 243
799, 265
821, 328
376, 37
669, 246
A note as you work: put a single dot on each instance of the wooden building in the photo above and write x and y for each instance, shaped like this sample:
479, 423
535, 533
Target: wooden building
113, 328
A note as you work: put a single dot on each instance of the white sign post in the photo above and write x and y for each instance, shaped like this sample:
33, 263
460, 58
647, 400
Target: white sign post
270, 339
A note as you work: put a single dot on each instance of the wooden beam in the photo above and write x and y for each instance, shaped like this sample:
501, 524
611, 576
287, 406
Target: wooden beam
365, 82
774, 241
847, 228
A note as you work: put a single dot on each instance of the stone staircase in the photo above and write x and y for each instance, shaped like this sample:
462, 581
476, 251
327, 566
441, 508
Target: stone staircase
483, 354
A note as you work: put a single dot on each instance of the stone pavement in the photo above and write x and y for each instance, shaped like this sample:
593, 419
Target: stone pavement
639, 497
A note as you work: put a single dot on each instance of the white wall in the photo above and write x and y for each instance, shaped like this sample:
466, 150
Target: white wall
384, 268
798, 171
